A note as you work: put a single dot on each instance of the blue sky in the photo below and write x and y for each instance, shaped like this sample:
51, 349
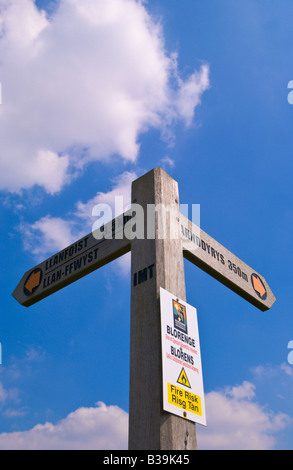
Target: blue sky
92, 97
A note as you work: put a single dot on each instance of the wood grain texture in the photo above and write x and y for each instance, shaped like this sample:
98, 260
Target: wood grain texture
70, 264
150, 428
212, 257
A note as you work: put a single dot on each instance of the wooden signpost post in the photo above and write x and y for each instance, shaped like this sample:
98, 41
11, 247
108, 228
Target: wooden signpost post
156, 263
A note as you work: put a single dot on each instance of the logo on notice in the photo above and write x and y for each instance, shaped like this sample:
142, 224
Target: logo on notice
179, 314
259, 286
33, 281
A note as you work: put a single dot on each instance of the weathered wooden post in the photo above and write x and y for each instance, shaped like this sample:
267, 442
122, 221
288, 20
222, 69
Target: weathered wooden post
155, 263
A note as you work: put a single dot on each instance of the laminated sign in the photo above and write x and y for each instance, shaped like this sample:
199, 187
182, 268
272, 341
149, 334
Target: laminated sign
183, 391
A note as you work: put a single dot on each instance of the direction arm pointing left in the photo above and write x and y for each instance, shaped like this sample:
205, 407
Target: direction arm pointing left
72, 263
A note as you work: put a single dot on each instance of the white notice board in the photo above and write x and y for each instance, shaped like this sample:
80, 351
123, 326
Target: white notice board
183, 390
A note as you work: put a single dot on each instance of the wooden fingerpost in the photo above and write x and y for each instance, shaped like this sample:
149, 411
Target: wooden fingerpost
156, 261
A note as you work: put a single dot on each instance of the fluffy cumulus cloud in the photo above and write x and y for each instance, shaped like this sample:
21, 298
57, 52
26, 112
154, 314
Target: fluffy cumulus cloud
81, 85
100, 427
51, 234
118, 198
235, 421
3, 394
47, 235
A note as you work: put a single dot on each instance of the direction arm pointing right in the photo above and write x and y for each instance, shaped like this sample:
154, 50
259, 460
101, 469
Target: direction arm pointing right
213, 258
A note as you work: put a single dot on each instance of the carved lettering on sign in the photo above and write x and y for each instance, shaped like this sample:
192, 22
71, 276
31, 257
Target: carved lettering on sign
143, 275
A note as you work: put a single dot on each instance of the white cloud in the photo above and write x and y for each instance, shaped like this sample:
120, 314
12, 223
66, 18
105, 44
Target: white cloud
122, 265
101, 427
49, 234
235, 421
12, 413
118, 198
3, 394
273, 372
8, 395
166, 162
190, 92
81, 86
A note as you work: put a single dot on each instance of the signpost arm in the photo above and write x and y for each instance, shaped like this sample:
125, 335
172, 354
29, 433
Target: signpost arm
155, 262
209, 255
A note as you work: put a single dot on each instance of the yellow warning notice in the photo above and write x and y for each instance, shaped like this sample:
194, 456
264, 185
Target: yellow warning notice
184, 399
182, 379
